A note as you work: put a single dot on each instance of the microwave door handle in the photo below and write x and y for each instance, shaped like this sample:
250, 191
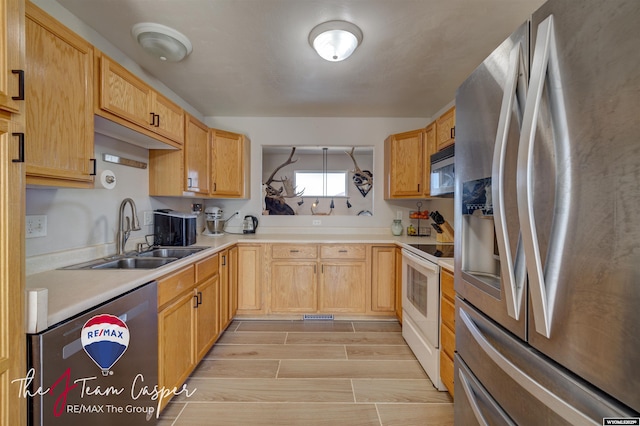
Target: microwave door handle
512, 272
543, 283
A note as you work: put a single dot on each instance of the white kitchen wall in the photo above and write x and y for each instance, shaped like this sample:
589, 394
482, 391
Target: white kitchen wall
79, 218
323, 131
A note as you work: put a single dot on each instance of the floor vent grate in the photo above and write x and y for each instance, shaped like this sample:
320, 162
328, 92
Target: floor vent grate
318, 317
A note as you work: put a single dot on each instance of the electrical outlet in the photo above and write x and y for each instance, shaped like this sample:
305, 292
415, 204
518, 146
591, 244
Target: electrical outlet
36, 226
148, 218
316, 222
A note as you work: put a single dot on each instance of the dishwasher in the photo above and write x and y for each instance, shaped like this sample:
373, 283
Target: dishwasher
99, 367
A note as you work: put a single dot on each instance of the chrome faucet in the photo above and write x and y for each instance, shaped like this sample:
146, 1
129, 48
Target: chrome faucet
132, 224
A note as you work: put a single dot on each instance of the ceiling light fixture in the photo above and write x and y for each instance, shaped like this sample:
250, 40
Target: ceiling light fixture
161, 41
335, 40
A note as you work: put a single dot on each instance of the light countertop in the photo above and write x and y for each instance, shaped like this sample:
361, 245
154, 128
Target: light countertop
71, 292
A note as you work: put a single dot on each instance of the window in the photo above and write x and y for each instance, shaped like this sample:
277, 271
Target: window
315, 185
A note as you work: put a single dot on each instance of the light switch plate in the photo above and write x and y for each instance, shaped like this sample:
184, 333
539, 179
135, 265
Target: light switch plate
36, 226
148, 218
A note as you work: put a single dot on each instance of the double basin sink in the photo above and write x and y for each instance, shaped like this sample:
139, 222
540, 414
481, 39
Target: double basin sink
151, 259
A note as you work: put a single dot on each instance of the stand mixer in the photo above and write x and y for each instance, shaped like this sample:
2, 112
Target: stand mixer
214, 221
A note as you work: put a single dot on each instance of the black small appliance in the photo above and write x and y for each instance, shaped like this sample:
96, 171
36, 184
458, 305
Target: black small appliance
171, 228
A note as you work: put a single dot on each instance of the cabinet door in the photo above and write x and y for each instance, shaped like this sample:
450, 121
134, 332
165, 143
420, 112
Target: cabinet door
383, 279
228, 168
176, 356
206, 316
169, 118
12, 279
123, 94
11, 55
429, 149
224, 311
343, 287
197, 153
293, 286
250, 299
59, 111
404, 165
446, 125
233, 281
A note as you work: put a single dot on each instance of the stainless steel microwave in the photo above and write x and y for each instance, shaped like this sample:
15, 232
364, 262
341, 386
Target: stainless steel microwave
442, 172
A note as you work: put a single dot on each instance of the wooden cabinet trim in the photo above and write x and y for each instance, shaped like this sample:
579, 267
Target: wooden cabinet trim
343, 251
206, 268
171, 286
294, 251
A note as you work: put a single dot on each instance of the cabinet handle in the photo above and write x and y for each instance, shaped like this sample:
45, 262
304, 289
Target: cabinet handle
199, 298
224, 260
315, 269
215, 187
20, 158
189, 183
343, 251
157, 122
153, 119
20, 96
418, 187
197, 303
294, 251
453, 132
93, 173
322, 268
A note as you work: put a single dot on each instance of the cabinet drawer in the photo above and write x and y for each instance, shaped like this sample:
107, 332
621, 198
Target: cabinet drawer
446, 371
173, 285
448, 340
294, 251
206, 268
343, 251
448, 313
446, 284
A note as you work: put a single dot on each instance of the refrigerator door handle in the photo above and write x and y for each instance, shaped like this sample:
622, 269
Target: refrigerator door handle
543, 287
544, 395
512, 270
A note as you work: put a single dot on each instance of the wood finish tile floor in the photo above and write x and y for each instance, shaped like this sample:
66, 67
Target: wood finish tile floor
289, 373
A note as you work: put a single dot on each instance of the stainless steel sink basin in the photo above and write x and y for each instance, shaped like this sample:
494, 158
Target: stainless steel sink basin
146, 260
135, 263
179, 252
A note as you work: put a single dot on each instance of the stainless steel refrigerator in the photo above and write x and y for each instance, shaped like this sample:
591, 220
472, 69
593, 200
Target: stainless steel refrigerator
547, 264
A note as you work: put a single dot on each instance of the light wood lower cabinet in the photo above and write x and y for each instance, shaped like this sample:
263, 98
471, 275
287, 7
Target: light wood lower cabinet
383, 278
343, 286
447, 328
188, 323
351, 279
250, 292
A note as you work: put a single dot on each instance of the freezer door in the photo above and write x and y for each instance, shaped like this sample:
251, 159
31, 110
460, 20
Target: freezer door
490, 270
474, 405
529, 388
580, 229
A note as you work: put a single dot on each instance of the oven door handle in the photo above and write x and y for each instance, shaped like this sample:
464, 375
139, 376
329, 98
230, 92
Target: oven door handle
425, 263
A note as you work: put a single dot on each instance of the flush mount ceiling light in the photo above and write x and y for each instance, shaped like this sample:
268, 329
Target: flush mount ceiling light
335, 40
161, 41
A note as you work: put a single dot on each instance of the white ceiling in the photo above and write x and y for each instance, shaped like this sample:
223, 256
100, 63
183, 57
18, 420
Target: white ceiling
252, 57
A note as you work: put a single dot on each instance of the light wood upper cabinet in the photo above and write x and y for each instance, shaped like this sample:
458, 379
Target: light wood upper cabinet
407, 163
11, 55
197, 156
404, 157
213, 164
59, 103
129, 101
446, 129
230, 171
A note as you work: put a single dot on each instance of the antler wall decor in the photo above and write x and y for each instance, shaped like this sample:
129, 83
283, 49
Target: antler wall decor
362, 179
275, 199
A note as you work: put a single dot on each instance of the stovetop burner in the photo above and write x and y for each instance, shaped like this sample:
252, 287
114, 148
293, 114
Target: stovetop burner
437, 250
